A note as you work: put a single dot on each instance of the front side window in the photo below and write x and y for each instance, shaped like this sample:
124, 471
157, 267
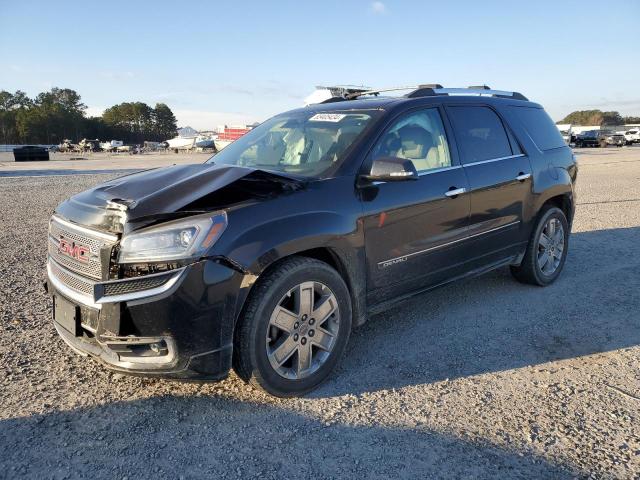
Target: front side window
308, 143
479, 133
419, 137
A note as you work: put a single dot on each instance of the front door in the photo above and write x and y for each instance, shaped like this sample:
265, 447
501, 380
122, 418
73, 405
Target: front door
414, 229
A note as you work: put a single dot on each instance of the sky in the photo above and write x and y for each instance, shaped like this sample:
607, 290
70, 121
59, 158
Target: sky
242, 61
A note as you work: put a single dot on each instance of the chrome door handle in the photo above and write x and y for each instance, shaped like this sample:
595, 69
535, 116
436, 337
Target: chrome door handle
455, 192
523, 176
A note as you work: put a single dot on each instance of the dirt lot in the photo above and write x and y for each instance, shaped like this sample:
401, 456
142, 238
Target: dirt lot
483, 379
91, 162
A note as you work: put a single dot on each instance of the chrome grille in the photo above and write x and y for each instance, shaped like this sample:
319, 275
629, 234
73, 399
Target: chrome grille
74, 282
76, 235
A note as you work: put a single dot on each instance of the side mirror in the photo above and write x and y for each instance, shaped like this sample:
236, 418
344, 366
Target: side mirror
391, 169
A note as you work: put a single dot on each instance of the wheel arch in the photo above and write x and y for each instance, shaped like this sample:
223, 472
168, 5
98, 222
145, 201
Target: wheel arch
341, 262
564, 202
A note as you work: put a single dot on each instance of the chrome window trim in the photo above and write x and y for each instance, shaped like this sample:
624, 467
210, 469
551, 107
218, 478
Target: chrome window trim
402, 258
422, 173
481, 162
88, 231
436, 170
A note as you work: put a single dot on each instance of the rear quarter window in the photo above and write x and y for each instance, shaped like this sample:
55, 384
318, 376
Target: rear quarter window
540, 127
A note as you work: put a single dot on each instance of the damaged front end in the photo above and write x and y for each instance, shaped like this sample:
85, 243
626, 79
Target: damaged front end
134, 274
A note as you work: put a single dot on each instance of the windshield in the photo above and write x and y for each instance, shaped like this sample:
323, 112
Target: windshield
309, 144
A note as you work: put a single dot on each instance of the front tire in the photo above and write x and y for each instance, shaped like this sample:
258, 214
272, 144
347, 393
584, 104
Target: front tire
294, 328
547, 250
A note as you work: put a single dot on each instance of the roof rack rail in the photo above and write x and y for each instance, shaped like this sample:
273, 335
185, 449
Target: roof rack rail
435, 89
481, 90
378, 91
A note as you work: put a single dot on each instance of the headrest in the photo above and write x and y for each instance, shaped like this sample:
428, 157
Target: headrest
346, 138
416, 141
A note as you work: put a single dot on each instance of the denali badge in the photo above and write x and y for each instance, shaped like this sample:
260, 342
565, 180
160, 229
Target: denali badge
388, 263
73, 250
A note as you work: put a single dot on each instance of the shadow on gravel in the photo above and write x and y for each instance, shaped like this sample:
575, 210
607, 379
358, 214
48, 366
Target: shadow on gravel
494, 323
484, 325
196, 437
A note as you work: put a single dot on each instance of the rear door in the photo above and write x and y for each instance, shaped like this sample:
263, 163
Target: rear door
414, 229
499, 176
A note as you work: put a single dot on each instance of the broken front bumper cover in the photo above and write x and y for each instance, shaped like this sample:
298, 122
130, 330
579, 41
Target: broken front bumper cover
119, 354
179, 326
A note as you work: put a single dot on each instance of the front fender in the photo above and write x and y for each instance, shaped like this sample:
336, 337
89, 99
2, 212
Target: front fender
270, 231
265, 243
337, 235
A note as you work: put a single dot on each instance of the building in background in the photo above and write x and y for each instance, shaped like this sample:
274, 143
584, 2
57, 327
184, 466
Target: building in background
227, 134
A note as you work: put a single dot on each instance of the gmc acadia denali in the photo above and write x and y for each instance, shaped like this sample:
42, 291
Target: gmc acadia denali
267, 255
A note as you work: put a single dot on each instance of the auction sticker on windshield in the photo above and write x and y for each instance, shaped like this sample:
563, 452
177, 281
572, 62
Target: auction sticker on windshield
327, 117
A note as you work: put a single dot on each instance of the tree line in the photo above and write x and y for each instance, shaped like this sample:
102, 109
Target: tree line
59, 114
597, 117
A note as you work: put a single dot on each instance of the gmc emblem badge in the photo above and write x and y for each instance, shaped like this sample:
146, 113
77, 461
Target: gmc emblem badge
73, 250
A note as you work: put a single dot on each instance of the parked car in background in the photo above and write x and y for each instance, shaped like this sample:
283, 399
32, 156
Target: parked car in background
265, 257
88, 145
615, 139
591, 138
632, 136
111, 146
30, 153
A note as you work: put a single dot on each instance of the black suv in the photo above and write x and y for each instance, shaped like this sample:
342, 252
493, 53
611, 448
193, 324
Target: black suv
266, 256
591, 138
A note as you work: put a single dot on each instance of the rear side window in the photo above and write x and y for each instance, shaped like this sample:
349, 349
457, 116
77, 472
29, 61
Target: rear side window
479, 133
540, 127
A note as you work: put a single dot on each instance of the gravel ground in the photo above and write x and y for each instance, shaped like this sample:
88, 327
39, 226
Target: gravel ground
482, 379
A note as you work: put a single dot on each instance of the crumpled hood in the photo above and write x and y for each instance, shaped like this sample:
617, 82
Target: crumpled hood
126, 200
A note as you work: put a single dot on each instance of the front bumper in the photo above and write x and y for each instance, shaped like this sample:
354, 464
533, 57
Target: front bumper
179, 326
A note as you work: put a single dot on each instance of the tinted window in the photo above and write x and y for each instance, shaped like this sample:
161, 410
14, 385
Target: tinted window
419, 137
540, 127
479, 133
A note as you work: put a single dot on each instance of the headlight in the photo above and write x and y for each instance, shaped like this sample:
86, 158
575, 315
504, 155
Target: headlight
181, 239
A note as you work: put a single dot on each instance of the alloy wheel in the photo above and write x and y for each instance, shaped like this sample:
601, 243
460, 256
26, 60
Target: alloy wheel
551, 246
302, 330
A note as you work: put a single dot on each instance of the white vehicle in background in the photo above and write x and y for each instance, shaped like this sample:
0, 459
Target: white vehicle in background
205, 141
565, 131
632, 136
181, 143
111, 146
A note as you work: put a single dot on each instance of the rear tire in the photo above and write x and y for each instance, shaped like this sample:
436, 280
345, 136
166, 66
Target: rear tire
280, 346
547, 249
